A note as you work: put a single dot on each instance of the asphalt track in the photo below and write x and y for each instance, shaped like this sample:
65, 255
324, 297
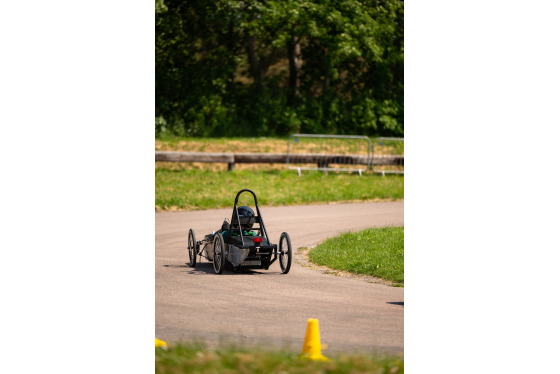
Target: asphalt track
265, 307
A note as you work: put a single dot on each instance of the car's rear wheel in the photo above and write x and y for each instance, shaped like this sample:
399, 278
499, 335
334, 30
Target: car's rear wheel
285, 249
192, 248
219, 254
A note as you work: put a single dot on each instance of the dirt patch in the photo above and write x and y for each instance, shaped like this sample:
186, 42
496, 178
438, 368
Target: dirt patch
217, 166
301, 256
250, 145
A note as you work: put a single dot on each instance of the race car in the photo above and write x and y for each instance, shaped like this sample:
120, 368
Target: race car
241, 243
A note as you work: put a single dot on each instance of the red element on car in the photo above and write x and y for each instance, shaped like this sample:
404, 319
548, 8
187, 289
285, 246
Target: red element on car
257, 240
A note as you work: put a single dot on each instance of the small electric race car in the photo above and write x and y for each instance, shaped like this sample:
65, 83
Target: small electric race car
240, 244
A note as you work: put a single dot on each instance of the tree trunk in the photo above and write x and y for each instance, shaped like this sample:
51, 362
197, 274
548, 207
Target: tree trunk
255, 65
294, 56
230, 43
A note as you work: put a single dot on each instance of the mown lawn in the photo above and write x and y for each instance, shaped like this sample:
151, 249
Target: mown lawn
195, 186
378, 252
179, 188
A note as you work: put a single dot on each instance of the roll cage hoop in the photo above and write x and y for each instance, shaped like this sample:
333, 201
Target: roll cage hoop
236, 221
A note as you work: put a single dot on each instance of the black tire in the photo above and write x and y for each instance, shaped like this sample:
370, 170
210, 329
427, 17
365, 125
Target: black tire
285, 249
219, 254
192, 248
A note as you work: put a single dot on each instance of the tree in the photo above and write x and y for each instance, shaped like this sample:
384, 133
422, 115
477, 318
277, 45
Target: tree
272, 67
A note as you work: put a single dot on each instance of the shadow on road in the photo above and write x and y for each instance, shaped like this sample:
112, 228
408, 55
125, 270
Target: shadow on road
204, 268
401, 303
208, 268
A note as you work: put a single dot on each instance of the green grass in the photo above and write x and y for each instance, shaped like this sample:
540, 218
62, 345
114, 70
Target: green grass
377, 252
197, 189
196, 358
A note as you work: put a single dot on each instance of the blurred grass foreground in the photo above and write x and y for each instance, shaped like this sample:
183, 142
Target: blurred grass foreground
197, 358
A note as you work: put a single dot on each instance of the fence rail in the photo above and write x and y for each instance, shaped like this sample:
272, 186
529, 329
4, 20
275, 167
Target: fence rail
313, 152
194, 157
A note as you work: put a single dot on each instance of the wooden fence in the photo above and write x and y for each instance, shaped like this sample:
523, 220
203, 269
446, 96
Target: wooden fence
271, 158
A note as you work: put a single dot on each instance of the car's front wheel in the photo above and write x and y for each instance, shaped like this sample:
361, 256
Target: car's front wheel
219, 254
285, 249
192, 248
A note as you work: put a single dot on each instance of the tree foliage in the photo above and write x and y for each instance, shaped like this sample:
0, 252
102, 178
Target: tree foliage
261, 67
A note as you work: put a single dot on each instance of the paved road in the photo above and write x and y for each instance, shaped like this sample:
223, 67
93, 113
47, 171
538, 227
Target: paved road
267, 307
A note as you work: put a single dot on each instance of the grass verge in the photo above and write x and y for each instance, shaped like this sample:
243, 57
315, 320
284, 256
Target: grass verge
196, 358
377, 252
197, 189
196, 186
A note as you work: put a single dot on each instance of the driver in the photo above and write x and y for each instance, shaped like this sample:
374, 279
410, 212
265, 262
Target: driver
244, 211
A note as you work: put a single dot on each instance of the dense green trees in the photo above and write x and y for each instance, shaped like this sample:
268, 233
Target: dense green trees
262, 67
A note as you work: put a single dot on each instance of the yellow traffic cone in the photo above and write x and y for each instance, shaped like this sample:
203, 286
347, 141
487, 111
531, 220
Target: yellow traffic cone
312, 342
161, 344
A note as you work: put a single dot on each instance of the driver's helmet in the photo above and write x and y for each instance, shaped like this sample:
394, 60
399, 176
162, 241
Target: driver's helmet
245, 211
